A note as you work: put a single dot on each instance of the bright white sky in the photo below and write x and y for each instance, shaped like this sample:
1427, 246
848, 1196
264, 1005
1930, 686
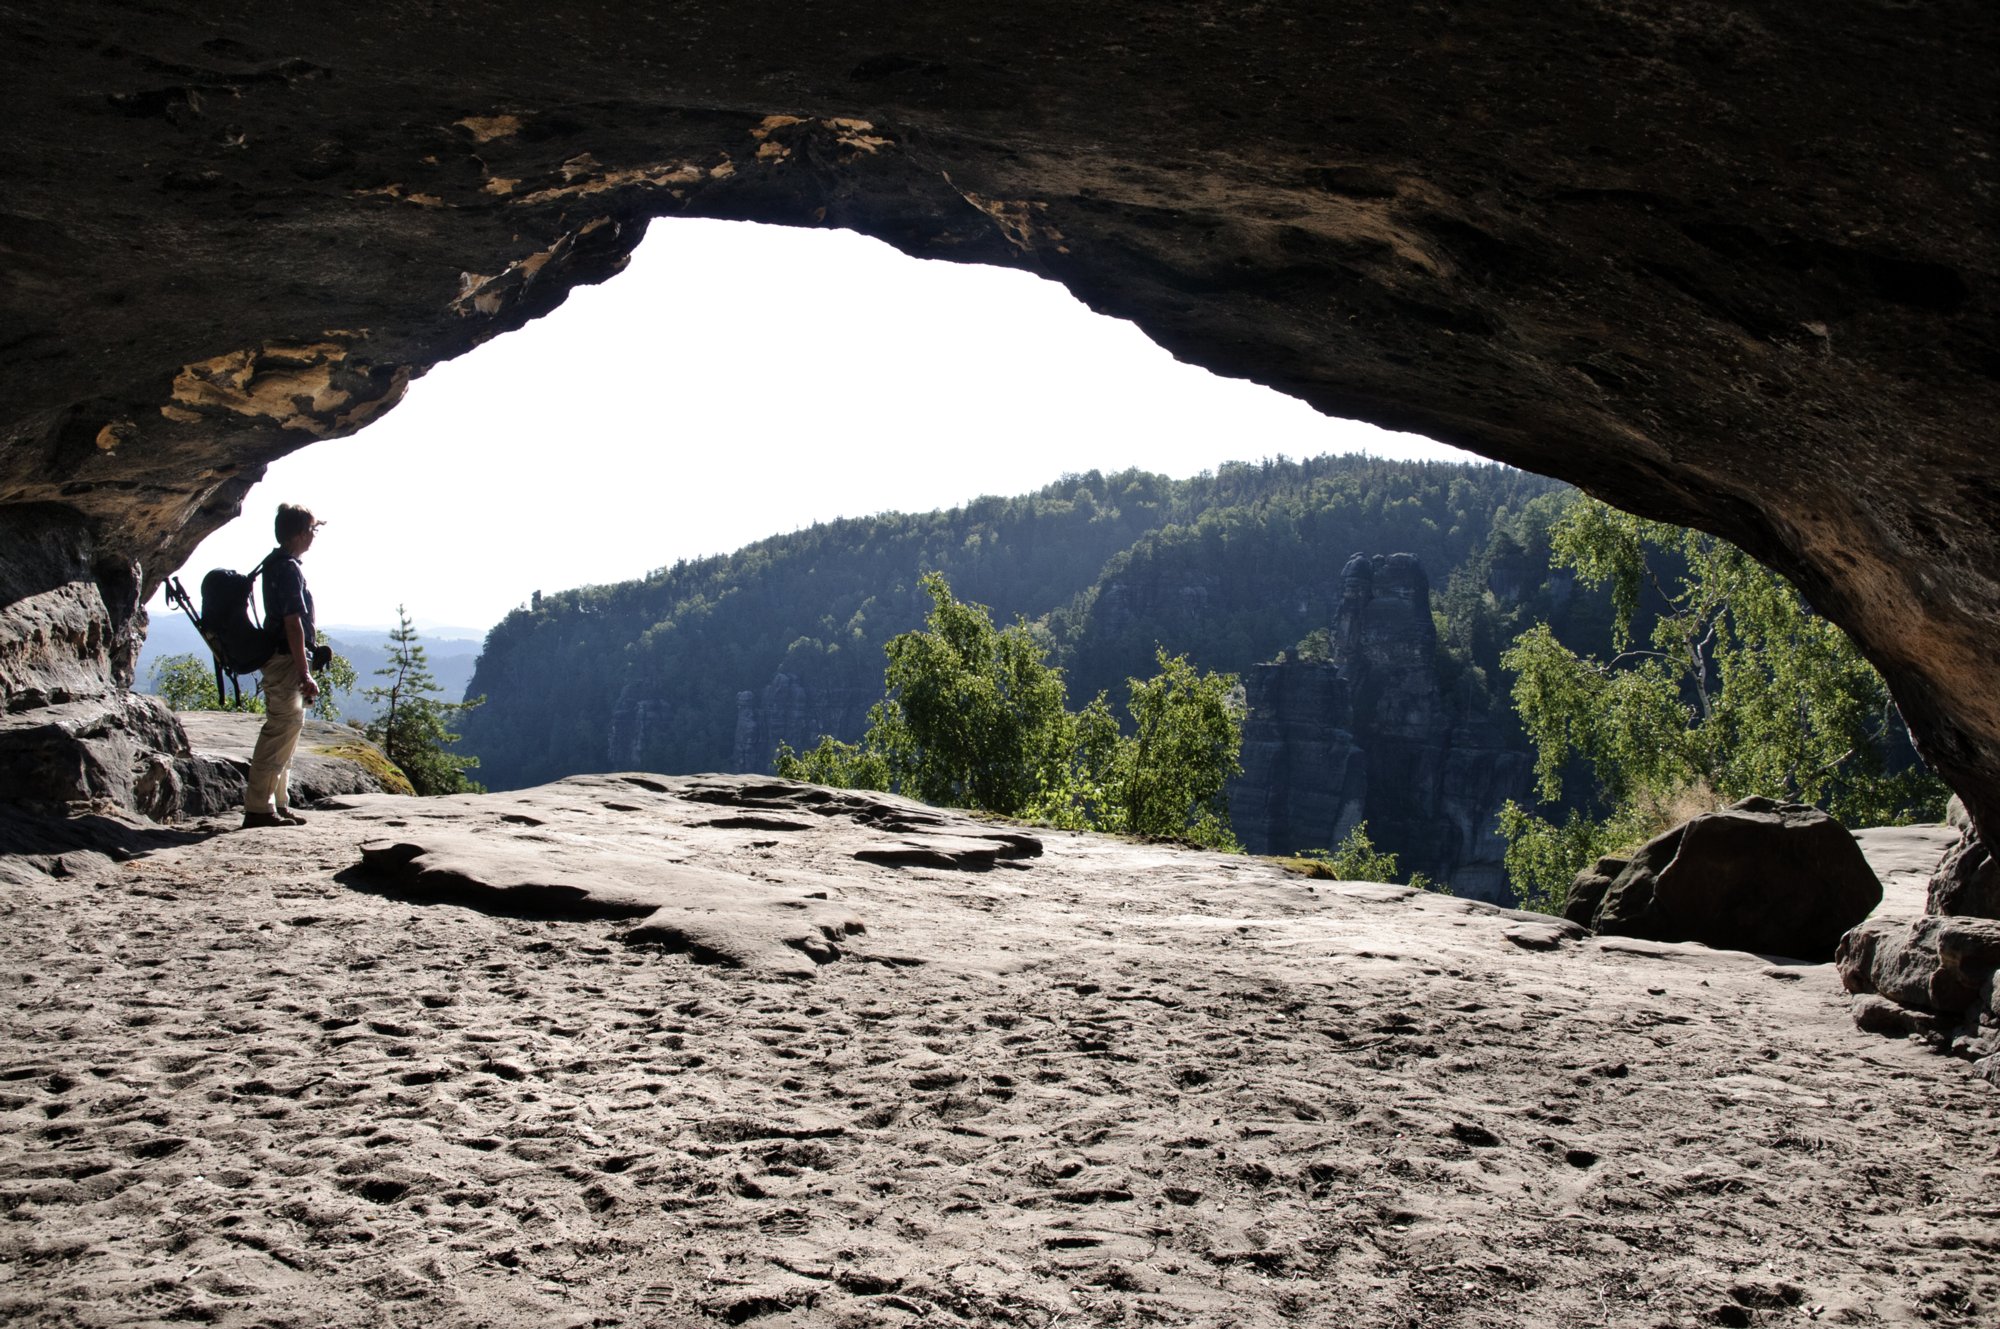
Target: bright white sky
740, 381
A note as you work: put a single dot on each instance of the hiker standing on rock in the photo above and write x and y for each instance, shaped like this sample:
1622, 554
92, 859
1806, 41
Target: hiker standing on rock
288, 683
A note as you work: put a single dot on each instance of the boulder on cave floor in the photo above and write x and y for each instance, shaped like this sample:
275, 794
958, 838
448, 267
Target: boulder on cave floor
1936, 963
1587, 892
126, 754
1918, 970
1937, 976
120, 752
1762, 876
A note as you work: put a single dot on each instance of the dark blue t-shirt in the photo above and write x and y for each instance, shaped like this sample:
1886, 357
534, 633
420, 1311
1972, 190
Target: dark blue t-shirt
285, 593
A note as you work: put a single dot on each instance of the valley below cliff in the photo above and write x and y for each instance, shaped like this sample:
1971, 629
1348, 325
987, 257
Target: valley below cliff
1363, 603
679, 1051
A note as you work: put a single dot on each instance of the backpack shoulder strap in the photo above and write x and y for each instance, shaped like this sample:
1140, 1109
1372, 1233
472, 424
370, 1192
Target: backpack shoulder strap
257, 592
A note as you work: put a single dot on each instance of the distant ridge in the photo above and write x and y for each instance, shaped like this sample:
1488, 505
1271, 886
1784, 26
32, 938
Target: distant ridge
782, 639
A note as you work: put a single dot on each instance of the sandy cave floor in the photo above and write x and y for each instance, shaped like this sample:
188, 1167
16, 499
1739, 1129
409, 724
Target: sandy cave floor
1115, 1084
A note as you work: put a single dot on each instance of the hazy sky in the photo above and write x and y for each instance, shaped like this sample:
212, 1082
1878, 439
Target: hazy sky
741, 381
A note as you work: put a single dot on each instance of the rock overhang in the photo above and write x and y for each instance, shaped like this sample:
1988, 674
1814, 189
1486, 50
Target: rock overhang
1728, 268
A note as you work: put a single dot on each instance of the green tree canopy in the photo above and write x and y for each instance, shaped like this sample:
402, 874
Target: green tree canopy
187, 683
1356, 858
1171, 774
1739, 689
976, 717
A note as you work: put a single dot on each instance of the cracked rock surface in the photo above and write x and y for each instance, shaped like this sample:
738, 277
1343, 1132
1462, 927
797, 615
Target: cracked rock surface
247, 1081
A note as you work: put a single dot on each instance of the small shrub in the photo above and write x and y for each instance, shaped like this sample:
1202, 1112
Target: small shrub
1354, 859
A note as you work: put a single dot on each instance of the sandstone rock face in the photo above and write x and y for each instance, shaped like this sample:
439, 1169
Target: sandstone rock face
125, 752
607, 846
1774, 878
1955, 815
1979, 1037
1922, 973
325, 765
1938, 977
71, 737
71, 627
1371, 736
1967, 880
121, 751
1305, 777
1935, 964
1587, 892
70, 623
789, 710
1730, 268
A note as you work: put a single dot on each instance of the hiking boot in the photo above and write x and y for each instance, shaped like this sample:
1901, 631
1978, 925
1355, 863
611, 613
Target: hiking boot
258, 820
289, 817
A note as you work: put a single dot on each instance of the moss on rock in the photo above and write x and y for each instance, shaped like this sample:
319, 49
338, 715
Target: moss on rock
369, 758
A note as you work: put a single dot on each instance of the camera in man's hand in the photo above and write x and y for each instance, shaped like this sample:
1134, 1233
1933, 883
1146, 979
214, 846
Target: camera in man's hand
322, 656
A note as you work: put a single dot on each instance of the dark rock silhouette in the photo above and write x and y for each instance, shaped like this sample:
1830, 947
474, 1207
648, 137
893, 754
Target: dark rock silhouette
1760, 875
1372, 736
1587, 892
1967, 880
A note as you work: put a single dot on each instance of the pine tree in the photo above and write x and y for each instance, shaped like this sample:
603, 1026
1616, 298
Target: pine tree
414, 725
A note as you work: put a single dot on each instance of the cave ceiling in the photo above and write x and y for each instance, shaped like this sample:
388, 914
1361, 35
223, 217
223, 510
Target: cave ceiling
1729, 265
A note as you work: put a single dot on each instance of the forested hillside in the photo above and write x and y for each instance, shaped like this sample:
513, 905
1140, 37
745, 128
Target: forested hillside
1231, 568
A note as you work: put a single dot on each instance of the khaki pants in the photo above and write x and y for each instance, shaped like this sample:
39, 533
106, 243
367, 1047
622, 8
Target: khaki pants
284, 716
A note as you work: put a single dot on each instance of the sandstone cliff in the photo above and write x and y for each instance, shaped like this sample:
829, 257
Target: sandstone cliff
1229, 568
1372, 735
789, 711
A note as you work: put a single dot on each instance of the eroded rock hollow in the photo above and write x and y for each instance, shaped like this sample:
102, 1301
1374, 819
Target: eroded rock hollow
1725, 265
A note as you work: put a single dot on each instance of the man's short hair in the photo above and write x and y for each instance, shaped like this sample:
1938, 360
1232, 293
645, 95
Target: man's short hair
293, 521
